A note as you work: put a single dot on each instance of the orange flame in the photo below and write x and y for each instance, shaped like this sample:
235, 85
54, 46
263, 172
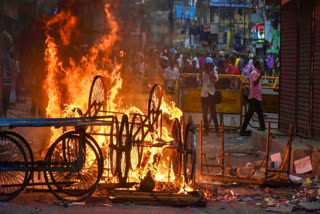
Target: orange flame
69, 86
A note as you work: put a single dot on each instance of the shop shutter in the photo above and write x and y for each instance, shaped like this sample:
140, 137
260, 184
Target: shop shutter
303, 119
316, 75
288, 65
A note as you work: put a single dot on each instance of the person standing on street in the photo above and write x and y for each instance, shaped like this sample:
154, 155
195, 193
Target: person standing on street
208, 79
255, 98
270, 65
246, 68
232, 68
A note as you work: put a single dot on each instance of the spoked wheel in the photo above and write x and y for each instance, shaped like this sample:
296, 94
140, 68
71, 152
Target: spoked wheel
97, 100
26, 148
190, 153
75, 112
14, 176
123, 159
154, 105
114, 147
136, 133
75, 166
97, 96
177, 153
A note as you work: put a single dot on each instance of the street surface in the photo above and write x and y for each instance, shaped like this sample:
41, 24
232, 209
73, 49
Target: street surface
223, 198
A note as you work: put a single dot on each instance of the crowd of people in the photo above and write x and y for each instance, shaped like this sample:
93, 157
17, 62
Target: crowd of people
209, 67
233, 64
170, 64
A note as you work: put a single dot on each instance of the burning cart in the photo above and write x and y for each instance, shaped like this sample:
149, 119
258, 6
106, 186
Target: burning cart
75, 162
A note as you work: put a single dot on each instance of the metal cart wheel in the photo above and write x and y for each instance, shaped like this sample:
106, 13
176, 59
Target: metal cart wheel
123, 158
136, 133
154, 105
14, 176
97, 105
176, 159
75, 166
26, 148
113, 146
190, 146
97, 97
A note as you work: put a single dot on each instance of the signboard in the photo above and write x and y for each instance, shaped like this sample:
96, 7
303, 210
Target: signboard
207, 28
213, 29
258, 32
229, 3
185, 12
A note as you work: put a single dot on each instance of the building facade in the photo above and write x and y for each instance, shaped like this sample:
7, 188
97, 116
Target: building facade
235, 25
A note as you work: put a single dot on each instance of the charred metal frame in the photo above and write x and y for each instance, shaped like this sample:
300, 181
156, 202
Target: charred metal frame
74, 162
275, 179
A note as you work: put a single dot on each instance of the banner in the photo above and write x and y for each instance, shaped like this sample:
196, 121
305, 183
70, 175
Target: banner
185, 12
229, 3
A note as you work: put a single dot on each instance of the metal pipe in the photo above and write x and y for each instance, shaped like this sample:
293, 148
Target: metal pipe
183, 125
161, 124
200, 156
267, 152
222, 147
289, 155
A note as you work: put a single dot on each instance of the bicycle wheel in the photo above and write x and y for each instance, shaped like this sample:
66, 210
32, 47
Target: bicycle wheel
154, 105
136, 133
190, 153
26, 148
75, 166
14, 176
97, 97
97, 105
176, 157
114, 147
123, 158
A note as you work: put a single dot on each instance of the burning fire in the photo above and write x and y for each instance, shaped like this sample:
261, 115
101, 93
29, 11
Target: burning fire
68, 86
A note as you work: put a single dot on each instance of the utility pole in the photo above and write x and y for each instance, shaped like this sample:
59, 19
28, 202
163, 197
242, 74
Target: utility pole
171, 21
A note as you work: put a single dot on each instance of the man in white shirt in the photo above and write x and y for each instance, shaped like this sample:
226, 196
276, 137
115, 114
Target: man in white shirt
208, 79
171, 73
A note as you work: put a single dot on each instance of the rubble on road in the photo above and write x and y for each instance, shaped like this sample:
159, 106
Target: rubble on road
304, 194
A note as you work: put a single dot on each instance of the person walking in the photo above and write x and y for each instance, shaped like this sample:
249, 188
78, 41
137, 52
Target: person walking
208, 79
255, 98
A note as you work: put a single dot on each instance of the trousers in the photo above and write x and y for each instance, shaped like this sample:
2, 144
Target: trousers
206, 104
254, 106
